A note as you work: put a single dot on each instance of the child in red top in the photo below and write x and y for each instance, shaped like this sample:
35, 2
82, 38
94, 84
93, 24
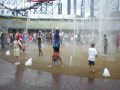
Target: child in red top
56, 46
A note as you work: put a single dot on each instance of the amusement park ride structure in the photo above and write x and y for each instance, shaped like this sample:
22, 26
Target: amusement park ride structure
25, 7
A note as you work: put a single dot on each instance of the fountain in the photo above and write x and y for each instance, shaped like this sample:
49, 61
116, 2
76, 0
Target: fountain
105, 24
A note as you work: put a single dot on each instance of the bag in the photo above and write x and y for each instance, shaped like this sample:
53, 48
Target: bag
28, 62
8, 53
106, 73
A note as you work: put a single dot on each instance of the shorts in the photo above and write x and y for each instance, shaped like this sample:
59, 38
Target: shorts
56, 49
91, 63
56, 54
16, 51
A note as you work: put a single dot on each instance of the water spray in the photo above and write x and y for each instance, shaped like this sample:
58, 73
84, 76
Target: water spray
70, 61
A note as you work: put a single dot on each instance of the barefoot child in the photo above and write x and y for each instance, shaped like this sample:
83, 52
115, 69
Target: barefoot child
56, 49
92, 54
16, 49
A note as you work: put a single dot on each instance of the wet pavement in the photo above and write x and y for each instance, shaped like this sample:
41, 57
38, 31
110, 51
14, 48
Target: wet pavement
20, 78
79, 63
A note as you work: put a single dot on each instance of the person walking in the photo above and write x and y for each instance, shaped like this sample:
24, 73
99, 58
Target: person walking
105, 44
39, 39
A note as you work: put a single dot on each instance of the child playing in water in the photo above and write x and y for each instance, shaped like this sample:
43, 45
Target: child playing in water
16, 43
56, 49
92, 54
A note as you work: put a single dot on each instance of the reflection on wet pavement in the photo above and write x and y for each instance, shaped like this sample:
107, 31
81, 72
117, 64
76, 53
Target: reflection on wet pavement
19, 72
56, 80
19, 78
90, 80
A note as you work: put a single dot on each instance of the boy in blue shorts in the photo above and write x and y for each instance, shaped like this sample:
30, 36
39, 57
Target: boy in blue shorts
92, 54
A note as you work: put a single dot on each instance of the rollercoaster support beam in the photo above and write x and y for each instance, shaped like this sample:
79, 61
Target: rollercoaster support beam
118, 5
18, 11
38, 6
83, 8
68, 7
92, 8
74, 7
59, 7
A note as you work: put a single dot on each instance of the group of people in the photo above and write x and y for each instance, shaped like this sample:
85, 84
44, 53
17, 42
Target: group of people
92, 52
19, 45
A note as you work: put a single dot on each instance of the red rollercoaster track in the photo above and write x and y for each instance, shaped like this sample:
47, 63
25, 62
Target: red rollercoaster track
41, 1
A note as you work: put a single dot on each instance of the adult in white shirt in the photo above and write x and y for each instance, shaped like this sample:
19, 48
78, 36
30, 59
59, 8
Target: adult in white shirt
92, 54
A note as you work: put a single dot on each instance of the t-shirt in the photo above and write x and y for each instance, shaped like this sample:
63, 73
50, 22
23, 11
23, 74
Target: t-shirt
92, 54
56, 42
16, 44
39, 39
105, 41
20, 36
